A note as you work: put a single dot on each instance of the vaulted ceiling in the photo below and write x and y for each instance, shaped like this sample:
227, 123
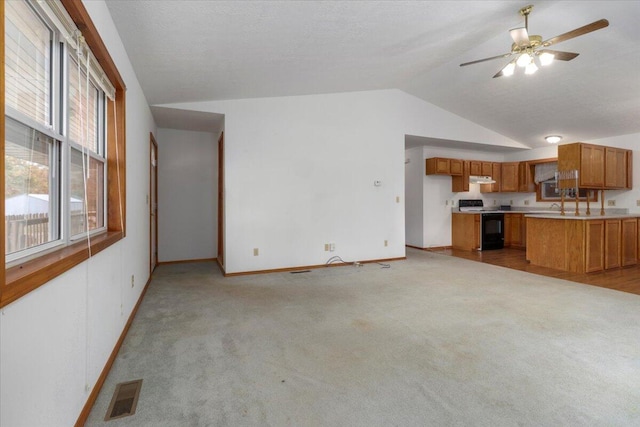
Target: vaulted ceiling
210, 50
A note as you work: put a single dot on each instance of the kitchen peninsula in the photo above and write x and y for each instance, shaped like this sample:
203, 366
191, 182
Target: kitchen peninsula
583, 243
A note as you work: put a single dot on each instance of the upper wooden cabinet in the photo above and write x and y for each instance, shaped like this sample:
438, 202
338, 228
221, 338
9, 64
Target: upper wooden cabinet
443, 166
525, 178
495, 174
509, 177
598, 167
460, 183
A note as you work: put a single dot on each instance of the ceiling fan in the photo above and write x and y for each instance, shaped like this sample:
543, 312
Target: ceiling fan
529, 49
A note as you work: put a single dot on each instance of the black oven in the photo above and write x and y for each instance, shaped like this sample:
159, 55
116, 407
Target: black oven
491, 231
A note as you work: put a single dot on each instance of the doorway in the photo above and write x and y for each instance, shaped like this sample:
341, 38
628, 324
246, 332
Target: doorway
153, 202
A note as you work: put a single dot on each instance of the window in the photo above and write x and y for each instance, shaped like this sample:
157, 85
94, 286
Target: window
63, 121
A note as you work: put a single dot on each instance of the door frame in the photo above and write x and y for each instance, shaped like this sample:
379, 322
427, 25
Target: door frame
220, 256
153, 203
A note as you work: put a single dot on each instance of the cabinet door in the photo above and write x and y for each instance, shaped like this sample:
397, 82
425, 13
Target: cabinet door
592, 166
629, 242
507, 229
476, 167
630, 170
442, 166
455, 167
460, 183
612, 231
595, 246
487, 168
516, 230
509, 177
525, 178
437, 165
615, 167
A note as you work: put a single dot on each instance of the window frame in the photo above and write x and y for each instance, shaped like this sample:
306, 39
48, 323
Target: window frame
22, 278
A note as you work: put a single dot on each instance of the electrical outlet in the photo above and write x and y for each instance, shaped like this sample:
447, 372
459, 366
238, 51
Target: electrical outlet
637, 202
453, 202
611, 203
526, 203
495, 202
326, 247
256, 251
332, 247
133, 280
397, 199
386, 243
511, 202
446, 202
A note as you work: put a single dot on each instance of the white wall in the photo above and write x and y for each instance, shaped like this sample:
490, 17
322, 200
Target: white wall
56, 340
413, 194
187, 195
300, 173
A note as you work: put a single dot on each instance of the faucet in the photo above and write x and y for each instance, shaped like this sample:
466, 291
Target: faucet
556, 205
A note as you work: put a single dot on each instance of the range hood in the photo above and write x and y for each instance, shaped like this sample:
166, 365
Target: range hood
481, 180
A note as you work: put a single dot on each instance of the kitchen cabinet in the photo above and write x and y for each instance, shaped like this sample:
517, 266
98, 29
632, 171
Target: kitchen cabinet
612, 229
582, 244
478, 168
525, 178
629, 244
495, 174
514, 230
615, 169
443, 166
594, 256
465, 231
460, 183
598, 166
509, 177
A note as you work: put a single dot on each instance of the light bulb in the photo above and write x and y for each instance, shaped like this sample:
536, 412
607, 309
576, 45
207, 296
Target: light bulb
546, 58
531, 68
523, 60
553, 139
509, 69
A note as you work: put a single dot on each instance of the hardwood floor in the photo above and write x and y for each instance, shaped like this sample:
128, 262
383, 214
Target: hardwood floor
622, 279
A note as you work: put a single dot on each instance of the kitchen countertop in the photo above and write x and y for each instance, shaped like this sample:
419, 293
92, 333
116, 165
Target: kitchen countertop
582, 216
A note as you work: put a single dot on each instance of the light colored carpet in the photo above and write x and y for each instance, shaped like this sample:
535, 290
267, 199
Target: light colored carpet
432, 341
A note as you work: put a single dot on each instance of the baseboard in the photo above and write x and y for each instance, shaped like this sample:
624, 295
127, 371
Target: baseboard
188, 261
86, 410
432, 248
224, 274
309, 267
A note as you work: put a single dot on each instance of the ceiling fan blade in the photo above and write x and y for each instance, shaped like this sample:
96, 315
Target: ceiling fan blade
596, 25
561, 56
504, 55
520, 36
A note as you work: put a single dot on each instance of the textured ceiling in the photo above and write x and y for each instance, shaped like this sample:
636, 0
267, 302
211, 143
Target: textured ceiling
209, 50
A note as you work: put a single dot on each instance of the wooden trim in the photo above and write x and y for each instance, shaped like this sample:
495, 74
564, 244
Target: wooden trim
221, 199
18, 281
187, 261
83, 21
153, 202
93, 396
224, 273
430, 248
2, 129
309, 267
24, 278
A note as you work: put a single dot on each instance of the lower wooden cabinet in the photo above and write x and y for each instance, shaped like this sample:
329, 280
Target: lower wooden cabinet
629, 245
465, 231
514, 230
583, 246
612, 229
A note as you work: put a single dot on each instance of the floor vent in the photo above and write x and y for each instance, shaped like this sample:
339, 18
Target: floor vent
301, 271
124, 400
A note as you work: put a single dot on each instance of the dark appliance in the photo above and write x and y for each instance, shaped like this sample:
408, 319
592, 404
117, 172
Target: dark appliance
491, 224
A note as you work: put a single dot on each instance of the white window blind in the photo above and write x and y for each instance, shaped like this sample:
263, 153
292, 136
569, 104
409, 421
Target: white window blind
545, 171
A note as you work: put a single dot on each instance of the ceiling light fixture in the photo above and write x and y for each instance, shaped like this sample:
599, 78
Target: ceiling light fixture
546, 58
523, 60
509, 69
531, 68
553, 139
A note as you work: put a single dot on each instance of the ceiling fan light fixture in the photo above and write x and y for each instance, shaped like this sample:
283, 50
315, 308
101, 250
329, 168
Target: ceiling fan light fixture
531, 68
509, 69
523, 60
546, 58
553, 139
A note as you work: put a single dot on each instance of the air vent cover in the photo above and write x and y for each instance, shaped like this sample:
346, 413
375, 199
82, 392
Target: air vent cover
124, 400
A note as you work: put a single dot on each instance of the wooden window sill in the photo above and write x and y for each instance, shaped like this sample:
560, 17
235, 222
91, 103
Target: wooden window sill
24, 278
